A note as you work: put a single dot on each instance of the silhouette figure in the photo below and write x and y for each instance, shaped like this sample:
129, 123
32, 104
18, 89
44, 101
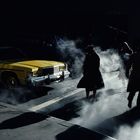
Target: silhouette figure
134, 78
125, 53
92, 78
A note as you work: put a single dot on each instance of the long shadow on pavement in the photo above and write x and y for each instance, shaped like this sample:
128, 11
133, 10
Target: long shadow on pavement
68, 111
130, 117
108, 127
111, 125
22, 120
79, 133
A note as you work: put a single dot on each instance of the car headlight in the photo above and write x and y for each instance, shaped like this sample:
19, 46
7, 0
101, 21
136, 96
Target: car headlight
63, 67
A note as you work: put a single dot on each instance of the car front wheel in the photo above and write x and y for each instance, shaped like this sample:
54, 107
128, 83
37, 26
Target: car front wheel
11, 81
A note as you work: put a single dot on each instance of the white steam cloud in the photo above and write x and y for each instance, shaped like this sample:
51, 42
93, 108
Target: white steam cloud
107, 107
128, 133
111, 67
14, 96
112, 100
72, 55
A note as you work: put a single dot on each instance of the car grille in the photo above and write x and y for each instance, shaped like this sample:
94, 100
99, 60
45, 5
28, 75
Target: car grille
47, 71
52, 70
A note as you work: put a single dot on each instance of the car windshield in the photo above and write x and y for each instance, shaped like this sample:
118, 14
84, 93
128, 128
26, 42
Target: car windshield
11, 54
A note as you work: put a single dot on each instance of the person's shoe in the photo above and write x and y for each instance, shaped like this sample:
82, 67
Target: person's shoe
87, 97
129, 104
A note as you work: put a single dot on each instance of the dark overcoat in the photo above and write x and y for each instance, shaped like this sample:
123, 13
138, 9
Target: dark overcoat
92, 78
134, 78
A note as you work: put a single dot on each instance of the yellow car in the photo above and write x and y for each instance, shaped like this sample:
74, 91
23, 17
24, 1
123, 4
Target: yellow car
15, 72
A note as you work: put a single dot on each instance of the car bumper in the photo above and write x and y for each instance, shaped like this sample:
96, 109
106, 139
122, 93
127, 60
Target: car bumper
38, 80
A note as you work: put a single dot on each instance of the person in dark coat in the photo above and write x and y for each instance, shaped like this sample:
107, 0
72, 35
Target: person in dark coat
134, 78
125, 52
92, 78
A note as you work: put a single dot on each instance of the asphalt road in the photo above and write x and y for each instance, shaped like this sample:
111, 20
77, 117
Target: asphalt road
31, 119
104, 115
24, 95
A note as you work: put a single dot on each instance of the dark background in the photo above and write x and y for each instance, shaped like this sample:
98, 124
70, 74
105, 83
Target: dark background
30, 23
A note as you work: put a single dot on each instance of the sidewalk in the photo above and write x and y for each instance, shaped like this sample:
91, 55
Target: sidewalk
128, 118
15, 124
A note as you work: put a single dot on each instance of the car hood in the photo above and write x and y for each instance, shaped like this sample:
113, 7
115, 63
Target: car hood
40, 63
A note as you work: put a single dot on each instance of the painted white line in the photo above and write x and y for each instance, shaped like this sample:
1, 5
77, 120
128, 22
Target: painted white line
55, 100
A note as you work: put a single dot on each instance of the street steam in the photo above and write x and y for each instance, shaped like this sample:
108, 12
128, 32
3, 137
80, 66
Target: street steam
112, 100
128, 133
14, 96
73, 56
111, 67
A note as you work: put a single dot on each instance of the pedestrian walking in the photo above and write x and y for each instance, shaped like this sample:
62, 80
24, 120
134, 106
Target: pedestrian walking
134, 78
92, 78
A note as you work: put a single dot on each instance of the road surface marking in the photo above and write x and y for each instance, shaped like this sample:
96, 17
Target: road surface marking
55, 100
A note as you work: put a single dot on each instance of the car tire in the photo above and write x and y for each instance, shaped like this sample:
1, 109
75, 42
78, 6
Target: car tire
11, 81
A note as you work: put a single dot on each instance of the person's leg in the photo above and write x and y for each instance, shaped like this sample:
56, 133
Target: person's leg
130, 98
87, 93
138, 100
94, 94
